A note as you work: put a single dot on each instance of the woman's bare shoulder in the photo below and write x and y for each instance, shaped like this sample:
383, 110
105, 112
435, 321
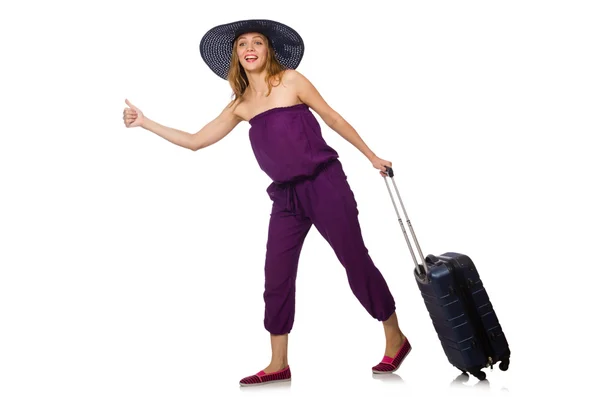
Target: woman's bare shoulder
290, 76
295, 82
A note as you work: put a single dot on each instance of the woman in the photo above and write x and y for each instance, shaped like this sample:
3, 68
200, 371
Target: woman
259, 59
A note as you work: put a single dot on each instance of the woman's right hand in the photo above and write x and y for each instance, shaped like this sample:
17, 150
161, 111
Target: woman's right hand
132, 116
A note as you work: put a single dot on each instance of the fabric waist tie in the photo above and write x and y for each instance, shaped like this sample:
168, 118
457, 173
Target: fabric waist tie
291, 198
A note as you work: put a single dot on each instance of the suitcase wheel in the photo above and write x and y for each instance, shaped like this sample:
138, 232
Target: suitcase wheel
479, 374
504, 364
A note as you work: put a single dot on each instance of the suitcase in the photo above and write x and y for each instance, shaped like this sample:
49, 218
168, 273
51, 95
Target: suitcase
458, 305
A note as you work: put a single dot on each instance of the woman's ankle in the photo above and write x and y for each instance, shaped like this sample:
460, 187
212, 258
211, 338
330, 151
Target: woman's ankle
276, 365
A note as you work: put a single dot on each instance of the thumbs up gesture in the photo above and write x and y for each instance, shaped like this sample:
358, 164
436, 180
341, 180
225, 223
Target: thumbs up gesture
132, 116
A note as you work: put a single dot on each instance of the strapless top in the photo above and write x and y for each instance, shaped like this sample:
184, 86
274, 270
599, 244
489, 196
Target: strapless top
288, 144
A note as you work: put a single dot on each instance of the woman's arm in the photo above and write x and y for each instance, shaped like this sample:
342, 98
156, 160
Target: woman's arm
308, 94
210, 134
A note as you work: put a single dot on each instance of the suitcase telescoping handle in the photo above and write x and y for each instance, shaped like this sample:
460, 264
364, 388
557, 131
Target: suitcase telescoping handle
422, 269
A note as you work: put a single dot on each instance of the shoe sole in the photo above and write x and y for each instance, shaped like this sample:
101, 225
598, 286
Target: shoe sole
398, 367
264, 383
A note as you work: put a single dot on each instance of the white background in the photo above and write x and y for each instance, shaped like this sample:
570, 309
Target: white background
133, 267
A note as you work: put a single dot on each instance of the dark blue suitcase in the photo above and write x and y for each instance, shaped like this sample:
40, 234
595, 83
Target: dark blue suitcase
458, 304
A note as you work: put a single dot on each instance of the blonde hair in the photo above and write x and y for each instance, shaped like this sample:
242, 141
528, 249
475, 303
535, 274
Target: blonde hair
237, 75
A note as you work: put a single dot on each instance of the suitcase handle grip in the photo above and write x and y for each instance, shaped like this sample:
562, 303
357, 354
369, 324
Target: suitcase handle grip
421, 269
389, 171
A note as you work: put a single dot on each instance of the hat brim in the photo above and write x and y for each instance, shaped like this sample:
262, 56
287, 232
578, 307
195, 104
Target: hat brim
217, 44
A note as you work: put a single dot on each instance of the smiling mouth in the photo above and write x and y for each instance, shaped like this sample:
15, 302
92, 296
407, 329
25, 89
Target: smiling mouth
251, 58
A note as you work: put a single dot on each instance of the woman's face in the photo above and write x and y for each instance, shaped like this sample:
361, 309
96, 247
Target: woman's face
252, 51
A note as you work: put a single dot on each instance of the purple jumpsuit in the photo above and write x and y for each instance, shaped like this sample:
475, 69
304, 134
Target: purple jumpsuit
309, 188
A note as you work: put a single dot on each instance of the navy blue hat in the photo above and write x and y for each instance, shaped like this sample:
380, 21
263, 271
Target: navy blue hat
217, 44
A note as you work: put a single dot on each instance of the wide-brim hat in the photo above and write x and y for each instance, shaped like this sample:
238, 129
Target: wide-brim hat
217, 44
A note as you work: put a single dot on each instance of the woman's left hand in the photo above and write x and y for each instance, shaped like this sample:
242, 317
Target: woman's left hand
380, 165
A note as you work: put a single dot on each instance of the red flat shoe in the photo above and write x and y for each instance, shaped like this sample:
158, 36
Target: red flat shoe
389, 364
262, 378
